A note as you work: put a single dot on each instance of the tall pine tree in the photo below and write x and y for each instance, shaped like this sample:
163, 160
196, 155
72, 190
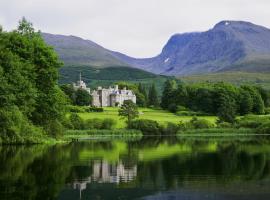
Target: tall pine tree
152, 96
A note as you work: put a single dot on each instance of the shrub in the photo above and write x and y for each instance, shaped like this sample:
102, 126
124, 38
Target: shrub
200, 123
172, 108
264, 128
54, 128
186, 113
148, 127
75, 109
76, 121
252, 121
224, 125
267, 111
94, 109
108, 123
93, 123
182, 108
171, 129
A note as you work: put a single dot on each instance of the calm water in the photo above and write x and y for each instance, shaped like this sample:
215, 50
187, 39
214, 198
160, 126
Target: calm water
152, 168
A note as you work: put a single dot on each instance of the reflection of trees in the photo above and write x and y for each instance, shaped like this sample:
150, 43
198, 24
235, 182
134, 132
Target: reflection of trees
224, 166
36, 172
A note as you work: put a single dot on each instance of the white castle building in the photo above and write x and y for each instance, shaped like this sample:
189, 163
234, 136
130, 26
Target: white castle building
106, 97
113, 96
81, 85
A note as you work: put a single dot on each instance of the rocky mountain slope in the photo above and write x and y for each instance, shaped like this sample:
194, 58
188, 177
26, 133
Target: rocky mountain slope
228, 46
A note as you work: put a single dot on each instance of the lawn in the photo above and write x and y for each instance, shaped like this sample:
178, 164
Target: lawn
160, 116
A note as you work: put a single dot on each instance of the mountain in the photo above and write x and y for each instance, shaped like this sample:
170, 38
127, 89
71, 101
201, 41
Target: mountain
98, 65
77, 51
229, 46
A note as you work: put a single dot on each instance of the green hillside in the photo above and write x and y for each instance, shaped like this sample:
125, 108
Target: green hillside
238, 78
107, 76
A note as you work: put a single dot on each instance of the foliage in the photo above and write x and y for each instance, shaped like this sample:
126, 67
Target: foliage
264, 128
76, 121
129, 110
76, 109
78, 97
28, 76
221, 99
196, 123
95, 109
153, 96
252, 121
148, 127
168, 94
96, 123
83, 98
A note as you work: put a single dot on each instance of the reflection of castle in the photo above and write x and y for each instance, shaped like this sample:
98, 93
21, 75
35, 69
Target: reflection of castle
104, 172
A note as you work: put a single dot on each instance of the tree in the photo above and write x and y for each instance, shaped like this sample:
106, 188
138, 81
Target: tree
129, 110
258, 104
29, 76
83, 98
152, 96
168, 94
181, 95
70, 92
245, 102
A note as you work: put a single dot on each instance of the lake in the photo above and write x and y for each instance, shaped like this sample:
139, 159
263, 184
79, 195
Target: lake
149, 168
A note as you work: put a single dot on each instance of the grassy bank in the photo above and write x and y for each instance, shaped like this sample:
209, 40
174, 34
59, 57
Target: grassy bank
161, 116
97, 134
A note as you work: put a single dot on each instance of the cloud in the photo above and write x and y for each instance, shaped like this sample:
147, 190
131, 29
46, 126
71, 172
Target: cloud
136, 27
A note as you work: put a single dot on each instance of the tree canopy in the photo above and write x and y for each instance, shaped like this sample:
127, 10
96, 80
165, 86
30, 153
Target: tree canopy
29, 94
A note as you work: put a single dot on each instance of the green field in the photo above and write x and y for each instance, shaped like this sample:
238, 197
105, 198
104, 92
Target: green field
160, 116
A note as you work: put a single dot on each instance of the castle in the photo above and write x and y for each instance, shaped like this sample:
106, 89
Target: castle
113, 96
110, 97
81, 85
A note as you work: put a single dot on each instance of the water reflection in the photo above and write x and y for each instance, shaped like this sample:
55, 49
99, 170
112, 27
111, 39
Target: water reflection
153, 168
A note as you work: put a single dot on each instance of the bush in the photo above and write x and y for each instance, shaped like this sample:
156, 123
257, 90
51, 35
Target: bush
224, 125
186, 113
252, 121
76, 121
264, 128
267, 111
171, 129
94, 109
200, 123
148, 127
54, 128
75, 109
172, 108
108, 123
182, 108
93, 123
98, 124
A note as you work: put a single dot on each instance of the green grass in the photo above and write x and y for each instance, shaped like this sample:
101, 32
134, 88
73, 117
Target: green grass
161, 116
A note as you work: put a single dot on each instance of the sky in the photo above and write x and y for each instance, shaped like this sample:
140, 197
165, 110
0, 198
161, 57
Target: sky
138, 28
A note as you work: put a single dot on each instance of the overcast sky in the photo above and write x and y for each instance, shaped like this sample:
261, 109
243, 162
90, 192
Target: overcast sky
139, 28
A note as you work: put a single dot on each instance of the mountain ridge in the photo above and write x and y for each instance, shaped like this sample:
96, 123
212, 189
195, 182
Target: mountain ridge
228, 46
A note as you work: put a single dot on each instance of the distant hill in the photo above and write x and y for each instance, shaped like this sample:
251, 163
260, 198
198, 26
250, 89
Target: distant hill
238, 78
228, 46
73, 50
94, 76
